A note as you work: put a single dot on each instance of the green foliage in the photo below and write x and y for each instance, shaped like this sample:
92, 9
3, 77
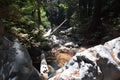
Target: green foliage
63, 6
27, 9
44, 18
21, 18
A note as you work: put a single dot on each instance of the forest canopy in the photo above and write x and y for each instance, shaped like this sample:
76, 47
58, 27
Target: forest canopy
30, 19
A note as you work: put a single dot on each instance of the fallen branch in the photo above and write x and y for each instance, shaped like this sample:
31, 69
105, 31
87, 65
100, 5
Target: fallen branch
49, 31
58, 27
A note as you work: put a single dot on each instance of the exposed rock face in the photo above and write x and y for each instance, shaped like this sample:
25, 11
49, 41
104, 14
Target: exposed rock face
15, 62
101, 62
44, 67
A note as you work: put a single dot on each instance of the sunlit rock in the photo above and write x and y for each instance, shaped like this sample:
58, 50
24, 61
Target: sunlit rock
101, 62
48, 33
44, 67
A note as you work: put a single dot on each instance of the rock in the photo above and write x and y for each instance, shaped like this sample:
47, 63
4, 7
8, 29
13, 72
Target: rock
62, 58
68, 31
71, 44
44, 67
48, 33
65, 50
35, 53
15, 62
101, 62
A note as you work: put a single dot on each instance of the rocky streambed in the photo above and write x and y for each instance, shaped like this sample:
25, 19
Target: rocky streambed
74, 62
62, 58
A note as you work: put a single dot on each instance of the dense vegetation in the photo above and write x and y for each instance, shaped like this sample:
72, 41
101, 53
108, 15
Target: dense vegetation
30, 19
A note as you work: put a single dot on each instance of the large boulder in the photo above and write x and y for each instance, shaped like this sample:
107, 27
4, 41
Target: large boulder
101, 62
15, 62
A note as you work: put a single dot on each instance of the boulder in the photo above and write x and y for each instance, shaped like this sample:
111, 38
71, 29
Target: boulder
15, 62
101, 62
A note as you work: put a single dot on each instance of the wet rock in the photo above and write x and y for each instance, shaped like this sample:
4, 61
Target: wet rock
15, 62
101, 62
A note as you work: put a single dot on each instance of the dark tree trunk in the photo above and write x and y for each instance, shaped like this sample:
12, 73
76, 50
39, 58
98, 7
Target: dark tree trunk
95, 23
79, 8
85, 9
90, 6
114, 8
82, 8
38, 12
68, 15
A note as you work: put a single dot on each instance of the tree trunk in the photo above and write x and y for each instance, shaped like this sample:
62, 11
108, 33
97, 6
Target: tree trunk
38, 12
95, 23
